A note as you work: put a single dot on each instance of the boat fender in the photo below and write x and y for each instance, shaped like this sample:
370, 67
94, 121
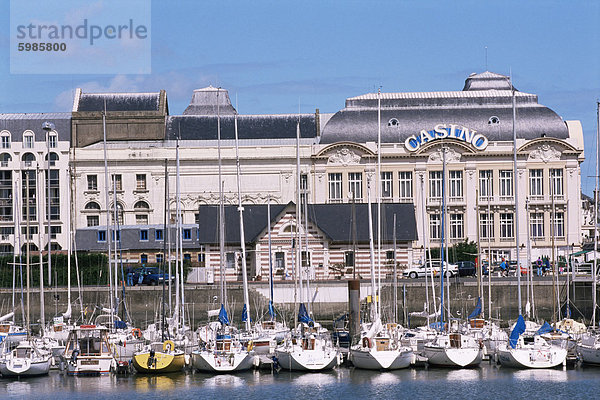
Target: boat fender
168, 346
366, 342
480, 344
250, 345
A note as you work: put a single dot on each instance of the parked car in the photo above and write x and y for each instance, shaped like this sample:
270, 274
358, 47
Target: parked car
150, 276
419, 270
466, 268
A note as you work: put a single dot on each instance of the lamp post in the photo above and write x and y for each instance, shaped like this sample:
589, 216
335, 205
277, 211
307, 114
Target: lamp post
48, 127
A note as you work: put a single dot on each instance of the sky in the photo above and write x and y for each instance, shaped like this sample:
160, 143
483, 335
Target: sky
284, 56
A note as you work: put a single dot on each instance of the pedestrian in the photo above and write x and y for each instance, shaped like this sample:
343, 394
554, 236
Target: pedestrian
546, 265
129, 277
538, 264
503, 266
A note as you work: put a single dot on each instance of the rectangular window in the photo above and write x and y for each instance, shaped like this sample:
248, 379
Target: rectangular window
118, 234
141, 219
279, 260
92, 182
187, 234
536, 225
230, 260
486, 225
536, 183
506, 184
435, 227
143, 259
389, 255
102, 236
456, 187
159, 258
386, 185
158, 235
52, 141
349, 258
93, 220
456, 226
144, 235
140, 181
405, 191
6, 142
486, 187
506, 226
116, 182
355, 184
303, 189
187, 257
335, 188
28, 141
435, 185
305, 257
557, 182
202, 257
559, 224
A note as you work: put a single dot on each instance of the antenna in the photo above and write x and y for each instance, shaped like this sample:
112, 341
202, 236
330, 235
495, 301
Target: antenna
486, 60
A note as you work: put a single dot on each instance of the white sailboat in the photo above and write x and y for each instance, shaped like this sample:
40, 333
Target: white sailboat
25, 359
88, 352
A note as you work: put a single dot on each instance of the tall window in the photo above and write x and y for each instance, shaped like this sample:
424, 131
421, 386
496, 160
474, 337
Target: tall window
28, 140
355, 184
486, 225
486, 188
116, 182
556, 175
349, 258
506, 226
144, 235
187, 234
456, 226
536, 225
435, 226
141, 219
53, 193
102, 236
158, 234
279, 260
143, 259
303, 188
559, 224
159, 258
435, 185
335, 187
28, 198
93, 220
52, 140
230, 260
405, 185
5, 140
140, 181
536, 182
92, 182
119, 214
506, 183
386, 184
456, 187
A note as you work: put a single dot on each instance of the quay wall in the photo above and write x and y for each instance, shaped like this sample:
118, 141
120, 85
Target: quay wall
328, 300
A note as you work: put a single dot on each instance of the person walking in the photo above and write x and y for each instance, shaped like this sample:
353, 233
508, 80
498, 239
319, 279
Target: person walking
546, 266
538, 264
504, 267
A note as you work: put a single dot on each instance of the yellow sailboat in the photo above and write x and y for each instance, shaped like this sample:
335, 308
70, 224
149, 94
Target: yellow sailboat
159, 358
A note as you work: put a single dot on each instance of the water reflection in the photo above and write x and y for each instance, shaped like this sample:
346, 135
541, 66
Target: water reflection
541, 375
316, 379
144, 383
463, 375
18, 388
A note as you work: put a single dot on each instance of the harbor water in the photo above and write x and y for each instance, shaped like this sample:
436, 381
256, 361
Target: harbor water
486, 381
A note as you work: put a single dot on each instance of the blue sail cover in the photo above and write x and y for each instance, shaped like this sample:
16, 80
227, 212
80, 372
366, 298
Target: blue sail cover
303, 315
544, 329
477, 310
245, 314
223, 318
120, 325
271, 310
516, 332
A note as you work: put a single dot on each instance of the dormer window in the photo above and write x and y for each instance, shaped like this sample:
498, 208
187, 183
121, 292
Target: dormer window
393, 122
28, 140
493, 120
5, 139
52, 140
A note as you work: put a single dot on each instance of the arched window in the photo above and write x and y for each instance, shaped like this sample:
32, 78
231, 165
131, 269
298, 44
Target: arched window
28, 159
5, 158
5, 139
119, 213
141, 206
393, 122
92, 205
53, 159
52, 139
32, 248
28, 139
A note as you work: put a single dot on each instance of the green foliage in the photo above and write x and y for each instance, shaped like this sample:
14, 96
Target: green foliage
462, 251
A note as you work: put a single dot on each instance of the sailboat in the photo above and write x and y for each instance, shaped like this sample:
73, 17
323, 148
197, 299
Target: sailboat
88, 352
379, 348
221, 349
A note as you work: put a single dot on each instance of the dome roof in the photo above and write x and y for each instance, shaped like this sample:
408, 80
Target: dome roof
210, 101
487, 80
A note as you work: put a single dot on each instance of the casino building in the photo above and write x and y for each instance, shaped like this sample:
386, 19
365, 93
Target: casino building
456, 143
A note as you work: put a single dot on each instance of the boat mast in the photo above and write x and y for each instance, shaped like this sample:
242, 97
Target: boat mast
595, 272
396, 276
39, 184
28, 253
108, 230
378, 194
177, 213
426, 252
374, 310
221, 209
443, 233
242, 235
298, 241
270, 257
165, 228
478, 263
516, 186
490, 227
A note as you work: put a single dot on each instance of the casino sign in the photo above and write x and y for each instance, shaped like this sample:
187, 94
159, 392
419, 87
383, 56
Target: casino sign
446, 131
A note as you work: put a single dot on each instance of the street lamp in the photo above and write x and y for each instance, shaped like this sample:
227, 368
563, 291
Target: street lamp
48, 127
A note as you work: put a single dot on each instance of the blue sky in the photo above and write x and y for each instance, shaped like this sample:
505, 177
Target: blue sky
277, 56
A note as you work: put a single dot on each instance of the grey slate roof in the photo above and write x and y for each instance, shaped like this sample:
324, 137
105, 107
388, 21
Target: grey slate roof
16, 124
334, 220
210, 101
118, 102
204, 127
485, 95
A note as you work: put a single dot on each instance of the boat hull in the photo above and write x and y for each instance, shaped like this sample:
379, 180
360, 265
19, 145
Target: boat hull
163, 363
532, 358
208, 361
589, 354
308, 360
99, 365
24, 367
453, 357
381, 360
